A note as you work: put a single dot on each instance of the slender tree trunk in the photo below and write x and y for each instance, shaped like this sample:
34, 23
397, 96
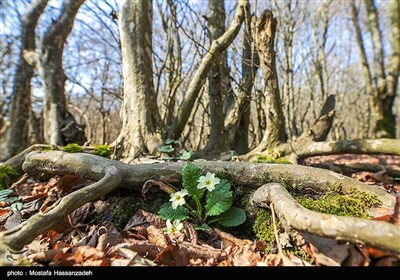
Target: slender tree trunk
393, 68
238, 119
217, 48
264, 40
60, 127
361, 49
217, 142
383, 99
142, 128
18, 138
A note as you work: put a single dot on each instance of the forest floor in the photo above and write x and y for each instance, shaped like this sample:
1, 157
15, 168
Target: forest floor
94, 235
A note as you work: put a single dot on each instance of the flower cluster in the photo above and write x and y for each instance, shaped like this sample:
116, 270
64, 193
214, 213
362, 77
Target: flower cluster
202, 200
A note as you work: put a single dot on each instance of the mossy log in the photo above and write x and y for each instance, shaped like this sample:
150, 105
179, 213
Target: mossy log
111, 174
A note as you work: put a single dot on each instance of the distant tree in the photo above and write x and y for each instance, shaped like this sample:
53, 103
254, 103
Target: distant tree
60, 127
18, 130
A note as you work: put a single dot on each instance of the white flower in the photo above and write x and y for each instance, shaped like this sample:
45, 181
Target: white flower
177, 198
209, 181
173, 228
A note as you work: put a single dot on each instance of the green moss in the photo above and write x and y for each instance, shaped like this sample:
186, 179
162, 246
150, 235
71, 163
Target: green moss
263, 228
271, 159
102, 150
354, 204
123, 211
73, 148
6, 174
266, 178
298, 252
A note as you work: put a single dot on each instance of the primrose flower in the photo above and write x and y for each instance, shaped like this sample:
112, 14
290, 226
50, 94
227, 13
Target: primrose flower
173, 228
209, 181
177, 198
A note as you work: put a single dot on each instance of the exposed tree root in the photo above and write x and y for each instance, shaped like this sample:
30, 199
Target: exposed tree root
379, 234
110, 174
350, 168
365, 146
16, 161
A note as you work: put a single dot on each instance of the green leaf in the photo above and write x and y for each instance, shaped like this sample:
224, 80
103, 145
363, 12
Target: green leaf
190, 174
185, 155
169, 141
10, 199
166, 149
231, 218
166, 212
5, 193
17, 206
220, 199
203, 227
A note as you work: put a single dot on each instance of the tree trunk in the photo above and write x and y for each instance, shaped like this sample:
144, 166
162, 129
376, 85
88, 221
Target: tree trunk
382, 110
361, 49
217, 141
217, 48
393, 66
264, 40
18, 138
142, 129
59, 126
238, 118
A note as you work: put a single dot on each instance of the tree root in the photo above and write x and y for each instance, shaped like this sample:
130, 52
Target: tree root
378, 234
350, 168
16, 161
110, 174
365, 146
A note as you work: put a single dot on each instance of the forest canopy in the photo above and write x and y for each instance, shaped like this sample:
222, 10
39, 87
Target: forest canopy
341, 48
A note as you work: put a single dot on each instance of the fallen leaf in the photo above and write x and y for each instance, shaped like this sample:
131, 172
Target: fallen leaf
14, 220
325, 251
142, 217
229, 240
156, 236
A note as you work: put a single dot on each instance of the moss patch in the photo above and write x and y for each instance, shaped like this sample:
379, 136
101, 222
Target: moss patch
102, 150
354, 204
73, 148
263, 228
268, 159
6, 174
123, 211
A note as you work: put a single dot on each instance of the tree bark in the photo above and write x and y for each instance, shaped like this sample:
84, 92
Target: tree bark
383, 118
364, 61
199, 78
366, 146
59, 126
238, 118
217, 141
142, 128
393, 66
18, 132
264, 40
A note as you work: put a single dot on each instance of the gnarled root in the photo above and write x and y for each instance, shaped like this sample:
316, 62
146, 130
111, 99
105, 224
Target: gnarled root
379, 234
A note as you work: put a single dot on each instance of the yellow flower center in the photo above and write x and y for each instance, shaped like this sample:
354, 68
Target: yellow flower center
208, 182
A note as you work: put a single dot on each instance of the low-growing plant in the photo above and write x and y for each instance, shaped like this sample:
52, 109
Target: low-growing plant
6, 174
102, 150
73, 148
203, 200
